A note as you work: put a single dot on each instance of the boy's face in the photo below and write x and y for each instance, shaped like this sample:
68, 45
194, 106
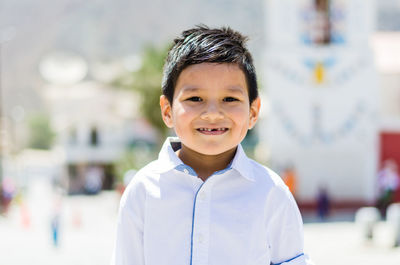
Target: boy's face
211, 112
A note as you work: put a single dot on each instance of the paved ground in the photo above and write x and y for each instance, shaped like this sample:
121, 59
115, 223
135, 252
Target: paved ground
341, 243
88, 225
86, 230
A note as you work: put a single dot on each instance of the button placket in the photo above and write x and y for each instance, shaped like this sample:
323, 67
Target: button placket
201, 196
201, 225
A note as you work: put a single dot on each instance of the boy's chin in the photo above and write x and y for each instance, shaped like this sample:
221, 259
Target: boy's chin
213, 150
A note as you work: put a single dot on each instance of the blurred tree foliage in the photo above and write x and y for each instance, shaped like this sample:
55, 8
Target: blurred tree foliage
146, 81
133, 158
41, 135
126, 162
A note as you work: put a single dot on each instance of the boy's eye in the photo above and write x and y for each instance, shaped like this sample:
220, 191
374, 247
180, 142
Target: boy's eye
195, 99
230, 99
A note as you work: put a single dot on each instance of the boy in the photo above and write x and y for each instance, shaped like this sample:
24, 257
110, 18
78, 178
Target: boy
203, 201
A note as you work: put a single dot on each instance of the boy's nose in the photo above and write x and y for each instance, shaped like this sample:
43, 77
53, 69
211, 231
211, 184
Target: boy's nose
212, 112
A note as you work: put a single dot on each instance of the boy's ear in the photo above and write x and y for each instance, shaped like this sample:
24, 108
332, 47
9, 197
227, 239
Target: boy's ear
166, 111
254, 111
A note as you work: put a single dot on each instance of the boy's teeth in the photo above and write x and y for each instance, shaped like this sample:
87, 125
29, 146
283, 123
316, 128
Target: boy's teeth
209, 130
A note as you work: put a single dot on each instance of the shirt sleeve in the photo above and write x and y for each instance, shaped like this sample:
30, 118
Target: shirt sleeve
285, 229
128, 248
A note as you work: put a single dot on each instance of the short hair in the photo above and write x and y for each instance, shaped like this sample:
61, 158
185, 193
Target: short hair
204, 45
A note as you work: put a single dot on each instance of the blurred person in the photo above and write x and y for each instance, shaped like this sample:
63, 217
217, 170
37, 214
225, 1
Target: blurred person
323, 203
7, 193
77, 218
25, 213
94, 180
388, 182
289, 176
1, 199
56, 219
321, 32
204, 201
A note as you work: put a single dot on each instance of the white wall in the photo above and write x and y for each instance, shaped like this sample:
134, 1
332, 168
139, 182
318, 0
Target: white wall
326, 129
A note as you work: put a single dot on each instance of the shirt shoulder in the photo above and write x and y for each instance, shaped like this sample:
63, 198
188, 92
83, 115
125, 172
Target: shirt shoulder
277, 191
279, 196
264, 174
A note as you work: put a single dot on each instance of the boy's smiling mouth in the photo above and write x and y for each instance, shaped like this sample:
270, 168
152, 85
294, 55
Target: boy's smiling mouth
212, 131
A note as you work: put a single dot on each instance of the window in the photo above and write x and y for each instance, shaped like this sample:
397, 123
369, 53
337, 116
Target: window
94, 137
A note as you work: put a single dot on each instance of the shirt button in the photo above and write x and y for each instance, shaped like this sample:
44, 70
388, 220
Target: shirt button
202, 196
186, 171
201, 239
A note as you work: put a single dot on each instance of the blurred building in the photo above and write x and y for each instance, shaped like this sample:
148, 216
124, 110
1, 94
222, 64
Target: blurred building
324, 100
94, 123
388, 15
386, 46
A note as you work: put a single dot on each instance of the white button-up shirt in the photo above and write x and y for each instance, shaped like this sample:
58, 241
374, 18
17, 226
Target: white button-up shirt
242, 215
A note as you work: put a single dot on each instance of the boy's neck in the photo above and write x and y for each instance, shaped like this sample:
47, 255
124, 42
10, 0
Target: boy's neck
205, 165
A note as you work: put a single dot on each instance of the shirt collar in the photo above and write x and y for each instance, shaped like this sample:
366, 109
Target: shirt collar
242, 164
169, 160
167, 156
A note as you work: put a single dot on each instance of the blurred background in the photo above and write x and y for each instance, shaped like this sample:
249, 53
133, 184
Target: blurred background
79, 90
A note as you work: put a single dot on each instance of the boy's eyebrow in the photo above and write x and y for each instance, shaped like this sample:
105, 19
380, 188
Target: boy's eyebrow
233, 89
188, 89
236, 89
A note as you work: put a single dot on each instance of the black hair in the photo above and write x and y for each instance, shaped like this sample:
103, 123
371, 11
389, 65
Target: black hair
204, 45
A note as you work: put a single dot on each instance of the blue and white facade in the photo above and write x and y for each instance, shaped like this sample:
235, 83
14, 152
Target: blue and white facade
322, 96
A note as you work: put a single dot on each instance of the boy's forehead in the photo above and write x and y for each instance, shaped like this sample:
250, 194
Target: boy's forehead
229, 75
211, 66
